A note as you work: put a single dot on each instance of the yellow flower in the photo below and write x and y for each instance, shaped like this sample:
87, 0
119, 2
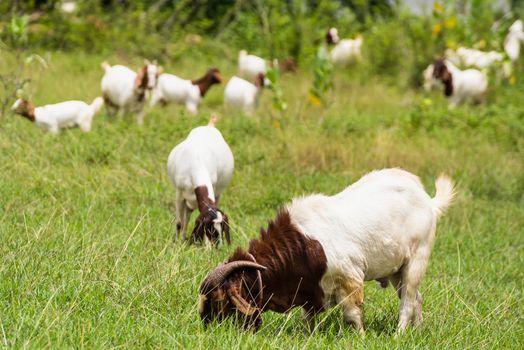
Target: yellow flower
450, 22
482, 44
451, 45
437, 7
512, 80
437, 28
427, 102
315, 101
275, 124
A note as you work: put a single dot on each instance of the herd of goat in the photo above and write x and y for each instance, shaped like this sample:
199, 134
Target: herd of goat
319, 250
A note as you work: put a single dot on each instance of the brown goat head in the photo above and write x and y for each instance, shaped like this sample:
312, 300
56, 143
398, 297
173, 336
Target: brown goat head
441, 71
213, 224
25, 108
233, 288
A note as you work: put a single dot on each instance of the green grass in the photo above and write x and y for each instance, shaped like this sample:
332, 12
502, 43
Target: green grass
87, 221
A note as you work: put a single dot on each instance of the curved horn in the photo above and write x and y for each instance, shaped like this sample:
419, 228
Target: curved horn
219, 274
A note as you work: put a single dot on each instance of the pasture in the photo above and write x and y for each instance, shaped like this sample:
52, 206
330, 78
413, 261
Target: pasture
88, 246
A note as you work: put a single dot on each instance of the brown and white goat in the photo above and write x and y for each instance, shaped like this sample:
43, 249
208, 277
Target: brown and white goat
200, 168
320, 249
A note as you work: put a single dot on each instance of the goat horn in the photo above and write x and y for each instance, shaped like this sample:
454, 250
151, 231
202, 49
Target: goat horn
215, 278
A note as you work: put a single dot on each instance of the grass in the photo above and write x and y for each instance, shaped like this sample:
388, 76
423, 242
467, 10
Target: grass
87, 220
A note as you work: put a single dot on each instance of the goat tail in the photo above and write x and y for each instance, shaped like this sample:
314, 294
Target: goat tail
105, 66
445, 193
97, 104
213, 120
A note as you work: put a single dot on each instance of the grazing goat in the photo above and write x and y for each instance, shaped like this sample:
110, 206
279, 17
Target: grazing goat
320, 249
345, 51
513, 39
474, 58
171, 88
243, 94
460, 85
125, 91
200, 168
250, 66
60, 115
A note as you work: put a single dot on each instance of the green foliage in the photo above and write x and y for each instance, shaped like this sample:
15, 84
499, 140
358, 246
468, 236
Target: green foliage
273, 76
322, 77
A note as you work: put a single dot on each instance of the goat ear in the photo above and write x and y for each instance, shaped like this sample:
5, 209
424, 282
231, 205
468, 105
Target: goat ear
198, 231
240, 303
140, 77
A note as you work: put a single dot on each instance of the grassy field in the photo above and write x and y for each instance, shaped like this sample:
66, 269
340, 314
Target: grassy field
87, 253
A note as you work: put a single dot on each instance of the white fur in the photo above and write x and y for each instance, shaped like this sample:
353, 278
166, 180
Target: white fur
382, 226
54, 117
202, 159
429, 81
513, 39
474, 58
249, 66
171, 88
346, 50
242, 94
118, 86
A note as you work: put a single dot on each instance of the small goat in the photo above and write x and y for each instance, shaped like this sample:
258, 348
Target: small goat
250, 66
513, 39
345, 51
460, 85
320, 249
60, 115
200, 168
243, 94
125, 91
171, 88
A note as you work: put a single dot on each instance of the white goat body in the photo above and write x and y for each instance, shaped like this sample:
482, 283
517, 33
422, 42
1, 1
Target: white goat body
242, 94
54, 117
474, 58
381, 227
347, 51
249, 66
123, 92
513, 39
171, 88
203, 159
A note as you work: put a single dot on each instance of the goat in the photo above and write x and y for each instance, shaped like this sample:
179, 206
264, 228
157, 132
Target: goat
459, 85
320, 249
171, 88
243, 94
345, 51
474, 58
250, 66
125, 91
513, 39
200, 168
60, 115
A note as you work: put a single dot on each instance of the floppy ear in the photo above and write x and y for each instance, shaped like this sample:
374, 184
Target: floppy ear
140, 77
447, 79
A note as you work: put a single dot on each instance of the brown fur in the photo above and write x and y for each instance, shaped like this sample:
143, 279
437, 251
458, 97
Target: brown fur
141, 83
440, 71
204, 222
259, 80
26, 109
210, 78
288, 65
295, 265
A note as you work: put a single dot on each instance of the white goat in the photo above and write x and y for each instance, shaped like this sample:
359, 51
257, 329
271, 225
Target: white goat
474, 58
321, 249
171, 88
249, 66
460, 85
243, 94
60, 115
345, 51
124, 90
200, 168
513, 39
